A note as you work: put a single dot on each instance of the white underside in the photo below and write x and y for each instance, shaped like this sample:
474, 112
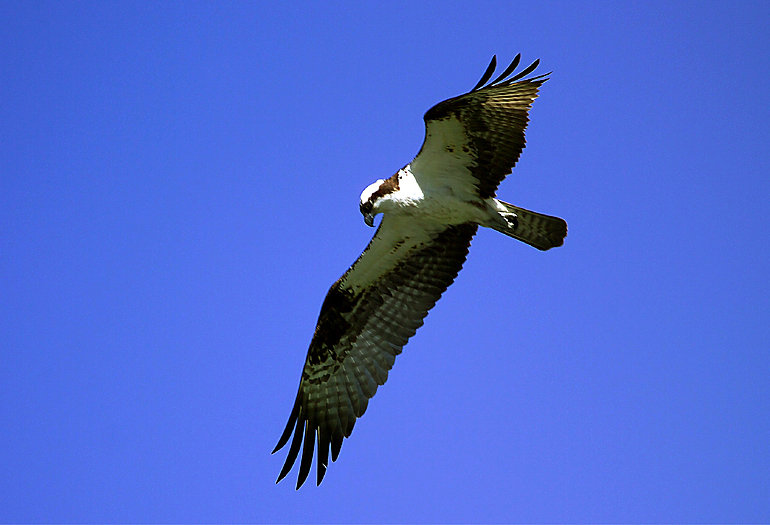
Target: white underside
413, 215
441, 201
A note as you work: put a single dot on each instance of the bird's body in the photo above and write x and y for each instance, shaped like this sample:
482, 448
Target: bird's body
431, 200
431, 210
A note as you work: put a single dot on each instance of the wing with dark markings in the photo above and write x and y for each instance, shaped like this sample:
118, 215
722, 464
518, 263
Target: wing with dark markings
368, 315
477, 137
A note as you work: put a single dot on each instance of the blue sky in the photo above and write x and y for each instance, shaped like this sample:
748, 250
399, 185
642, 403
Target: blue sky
179, 187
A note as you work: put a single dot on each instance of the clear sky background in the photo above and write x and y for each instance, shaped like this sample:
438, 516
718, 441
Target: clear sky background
179, 187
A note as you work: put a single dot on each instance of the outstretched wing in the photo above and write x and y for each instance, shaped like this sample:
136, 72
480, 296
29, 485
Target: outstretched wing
475, 139
367, 317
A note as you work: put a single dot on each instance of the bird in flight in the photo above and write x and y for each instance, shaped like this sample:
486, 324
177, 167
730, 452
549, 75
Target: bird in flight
431, 209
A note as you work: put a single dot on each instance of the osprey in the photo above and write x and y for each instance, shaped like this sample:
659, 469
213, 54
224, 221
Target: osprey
431, 210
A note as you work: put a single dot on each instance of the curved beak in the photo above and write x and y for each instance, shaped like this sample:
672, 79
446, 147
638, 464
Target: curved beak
369, 219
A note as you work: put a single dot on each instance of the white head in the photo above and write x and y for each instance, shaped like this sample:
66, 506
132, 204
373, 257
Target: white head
368, 199
375, 195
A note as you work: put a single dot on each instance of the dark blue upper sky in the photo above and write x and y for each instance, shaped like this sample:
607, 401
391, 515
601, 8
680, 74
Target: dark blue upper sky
179, 187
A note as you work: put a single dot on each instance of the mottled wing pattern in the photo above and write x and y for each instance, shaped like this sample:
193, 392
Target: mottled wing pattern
480, 133
367, 317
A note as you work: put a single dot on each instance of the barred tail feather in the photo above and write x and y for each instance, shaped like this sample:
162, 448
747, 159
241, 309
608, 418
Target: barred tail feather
536, 229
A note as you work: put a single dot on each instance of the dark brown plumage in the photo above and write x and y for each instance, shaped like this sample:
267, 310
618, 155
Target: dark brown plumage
494, 118
345, 365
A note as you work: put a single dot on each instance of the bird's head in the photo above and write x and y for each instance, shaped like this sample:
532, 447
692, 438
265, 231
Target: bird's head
369, 200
